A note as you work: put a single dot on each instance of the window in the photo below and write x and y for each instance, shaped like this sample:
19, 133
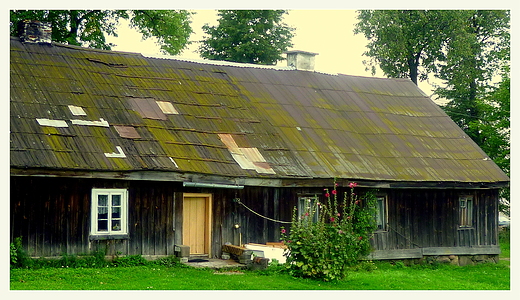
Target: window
466, 211
109, 212
381, 212
308, 205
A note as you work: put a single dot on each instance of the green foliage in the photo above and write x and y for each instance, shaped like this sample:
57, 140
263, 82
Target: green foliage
247, 36
129, 261
89, 28
325, 249
274, 267
19, 257
170, 261
404, 43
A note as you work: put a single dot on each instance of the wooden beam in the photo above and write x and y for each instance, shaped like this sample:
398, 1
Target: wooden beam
251, 181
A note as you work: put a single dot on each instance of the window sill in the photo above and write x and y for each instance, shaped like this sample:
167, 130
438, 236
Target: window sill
108, 237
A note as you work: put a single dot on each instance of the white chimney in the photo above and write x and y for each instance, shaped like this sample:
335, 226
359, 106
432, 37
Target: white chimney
35, 31
301, 60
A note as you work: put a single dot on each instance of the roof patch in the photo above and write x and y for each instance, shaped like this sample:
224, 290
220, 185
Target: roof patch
52, 123
128, 132
119, 154
147, 108
247, 158
167, 108
77, 110
101, 123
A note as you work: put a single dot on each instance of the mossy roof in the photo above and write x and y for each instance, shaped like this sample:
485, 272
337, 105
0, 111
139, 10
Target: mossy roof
74, 108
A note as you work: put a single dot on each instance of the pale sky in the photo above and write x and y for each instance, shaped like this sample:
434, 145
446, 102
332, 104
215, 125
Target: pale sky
326, 32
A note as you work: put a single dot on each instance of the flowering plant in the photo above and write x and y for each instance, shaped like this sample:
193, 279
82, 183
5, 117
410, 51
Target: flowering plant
339, 239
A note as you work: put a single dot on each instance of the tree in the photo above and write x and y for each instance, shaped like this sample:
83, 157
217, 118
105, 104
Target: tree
403, 43
247, 36
475, 51
89, 28
466, 50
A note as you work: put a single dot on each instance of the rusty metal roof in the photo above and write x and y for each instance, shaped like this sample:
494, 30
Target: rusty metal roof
73, 108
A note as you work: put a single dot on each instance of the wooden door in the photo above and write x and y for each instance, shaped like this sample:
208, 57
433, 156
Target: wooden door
196, 223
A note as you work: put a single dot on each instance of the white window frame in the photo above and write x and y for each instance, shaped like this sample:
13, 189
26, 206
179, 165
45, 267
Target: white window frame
381, 215
111, 231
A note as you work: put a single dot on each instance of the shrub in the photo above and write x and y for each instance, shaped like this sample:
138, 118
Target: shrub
19, 258
129, 261
338, 240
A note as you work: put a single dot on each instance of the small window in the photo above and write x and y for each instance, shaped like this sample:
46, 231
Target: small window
466, 211
308, 206
381, 212
109, 212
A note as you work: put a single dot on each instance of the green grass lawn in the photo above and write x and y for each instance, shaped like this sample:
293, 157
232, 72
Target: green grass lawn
385, 277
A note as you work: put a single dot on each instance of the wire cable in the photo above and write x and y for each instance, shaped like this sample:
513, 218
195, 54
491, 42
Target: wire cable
237, 200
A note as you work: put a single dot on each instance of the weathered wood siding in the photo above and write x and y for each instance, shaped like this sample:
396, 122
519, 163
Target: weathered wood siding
52, 215
419, 218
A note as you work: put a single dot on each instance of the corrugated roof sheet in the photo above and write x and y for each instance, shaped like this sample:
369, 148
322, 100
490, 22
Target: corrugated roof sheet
166, 114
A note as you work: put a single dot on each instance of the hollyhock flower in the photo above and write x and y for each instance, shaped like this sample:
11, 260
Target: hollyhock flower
336, 184
306, 214
338, 214
340, 231
283, 231
360, 238
352, 185
332, 219
327, 195
357, 202
348, 218
319, 204
334, 192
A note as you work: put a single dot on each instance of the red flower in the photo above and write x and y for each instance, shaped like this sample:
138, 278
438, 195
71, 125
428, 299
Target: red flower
357, 202
306, 214
283, 230
352, 185
334, 192
360, 238
327, 195
336, 184
332, 219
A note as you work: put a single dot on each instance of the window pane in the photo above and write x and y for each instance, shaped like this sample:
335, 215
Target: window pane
102, 200
116, 225
116, 212
102, 213
102, 225
116, 200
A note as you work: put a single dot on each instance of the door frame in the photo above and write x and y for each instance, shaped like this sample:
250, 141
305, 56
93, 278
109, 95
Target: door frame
208, 217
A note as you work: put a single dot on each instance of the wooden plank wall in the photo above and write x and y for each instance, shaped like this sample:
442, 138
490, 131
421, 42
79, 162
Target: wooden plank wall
52, 215
420, 218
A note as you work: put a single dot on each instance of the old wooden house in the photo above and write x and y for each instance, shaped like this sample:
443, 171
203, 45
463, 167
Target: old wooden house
135, 155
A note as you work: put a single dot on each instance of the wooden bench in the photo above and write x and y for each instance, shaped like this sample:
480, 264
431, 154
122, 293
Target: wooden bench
242, 254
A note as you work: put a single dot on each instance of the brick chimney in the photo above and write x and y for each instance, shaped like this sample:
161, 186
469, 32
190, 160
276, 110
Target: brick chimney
301, 60
35, 31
